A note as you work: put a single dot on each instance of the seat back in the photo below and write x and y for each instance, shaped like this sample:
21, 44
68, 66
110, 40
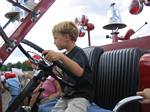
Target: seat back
93, 54
117, 78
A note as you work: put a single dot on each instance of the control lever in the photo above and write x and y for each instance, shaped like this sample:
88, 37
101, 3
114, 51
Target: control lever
10, 44
141, 27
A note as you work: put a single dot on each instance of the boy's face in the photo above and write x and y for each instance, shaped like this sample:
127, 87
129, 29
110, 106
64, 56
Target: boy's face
60, 40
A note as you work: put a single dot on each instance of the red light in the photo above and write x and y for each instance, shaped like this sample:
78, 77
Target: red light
136, 7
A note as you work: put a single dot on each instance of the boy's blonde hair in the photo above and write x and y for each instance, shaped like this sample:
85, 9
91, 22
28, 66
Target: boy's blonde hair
66, 27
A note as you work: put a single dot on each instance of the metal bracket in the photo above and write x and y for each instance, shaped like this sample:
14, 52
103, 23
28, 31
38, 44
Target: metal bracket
10, 44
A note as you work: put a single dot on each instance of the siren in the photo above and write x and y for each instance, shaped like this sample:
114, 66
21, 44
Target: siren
115, 21
81, 32
90, 27
136, 7
84, 25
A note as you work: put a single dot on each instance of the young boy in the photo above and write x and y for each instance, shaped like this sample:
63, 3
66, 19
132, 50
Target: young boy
78, 97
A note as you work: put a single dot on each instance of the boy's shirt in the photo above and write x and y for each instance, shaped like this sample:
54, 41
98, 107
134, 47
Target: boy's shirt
83, 85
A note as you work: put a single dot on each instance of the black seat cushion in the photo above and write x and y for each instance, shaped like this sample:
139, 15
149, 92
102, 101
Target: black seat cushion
117, 77
93, 54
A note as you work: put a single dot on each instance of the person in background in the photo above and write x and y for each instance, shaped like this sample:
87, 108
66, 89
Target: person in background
146, 94
78, 97
11, 83
50, 95
47, 92
1, 91
1, 88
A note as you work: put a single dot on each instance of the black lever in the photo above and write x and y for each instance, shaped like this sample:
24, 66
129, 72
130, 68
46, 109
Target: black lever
9, 43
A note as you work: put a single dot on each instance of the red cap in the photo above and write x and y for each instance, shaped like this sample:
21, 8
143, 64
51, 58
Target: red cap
9, 75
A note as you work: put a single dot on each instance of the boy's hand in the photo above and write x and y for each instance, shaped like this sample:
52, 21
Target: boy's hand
51, 55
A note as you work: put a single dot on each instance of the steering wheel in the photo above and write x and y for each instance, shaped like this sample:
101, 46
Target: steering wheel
44, 70
42, 63
46, 65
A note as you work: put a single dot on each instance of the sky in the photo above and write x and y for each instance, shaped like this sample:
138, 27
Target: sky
61, 10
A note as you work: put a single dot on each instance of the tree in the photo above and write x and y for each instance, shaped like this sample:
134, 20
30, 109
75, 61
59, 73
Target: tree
25, 66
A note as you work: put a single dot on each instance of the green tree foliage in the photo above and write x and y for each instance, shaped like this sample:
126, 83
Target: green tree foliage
25, 66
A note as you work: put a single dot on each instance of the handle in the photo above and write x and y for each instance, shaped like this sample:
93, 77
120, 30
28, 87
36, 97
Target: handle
125, 101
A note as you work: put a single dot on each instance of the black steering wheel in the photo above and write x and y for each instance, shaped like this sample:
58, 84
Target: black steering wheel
44, 70
45, 65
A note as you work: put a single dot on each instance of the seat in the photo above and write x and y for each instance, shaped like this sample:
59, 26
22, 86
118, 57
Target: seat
118, 77
93, 54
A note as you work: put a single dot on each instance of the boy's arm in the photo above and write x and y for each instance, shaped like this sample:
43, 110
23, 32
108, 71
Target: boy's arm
74, 67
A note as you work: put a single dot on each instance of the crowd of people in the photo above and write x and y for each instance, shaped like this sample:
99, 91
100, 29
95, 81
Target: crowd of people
54, 96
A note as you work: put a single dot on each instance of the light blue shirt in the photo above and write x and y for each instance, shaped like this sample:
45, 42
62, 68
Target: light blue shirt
13, 86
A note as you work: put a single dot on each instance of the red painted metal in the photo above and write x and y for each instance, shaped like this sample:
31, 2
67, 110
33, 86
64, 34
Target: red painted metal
145, 77
115, 37
142, 42
145, 71
128, 34
25, 27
